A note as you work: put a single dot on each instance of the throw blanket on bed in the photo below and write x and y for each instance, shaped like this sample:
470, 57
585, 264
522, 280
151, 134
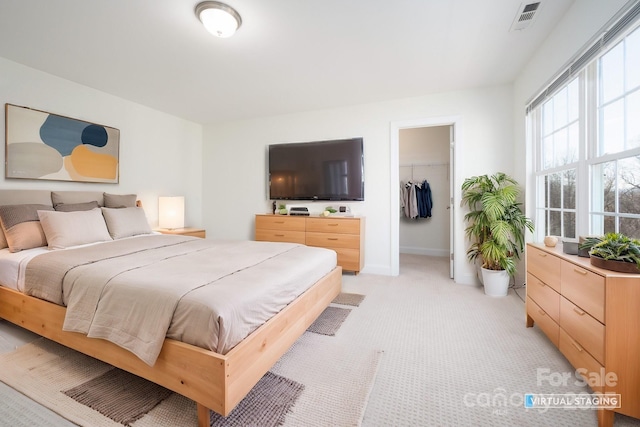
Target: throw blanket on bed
106, 286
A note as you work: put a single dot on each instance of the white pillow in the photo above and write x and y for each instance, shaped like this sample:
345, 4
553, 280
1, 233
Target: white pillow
65, 229
126, 222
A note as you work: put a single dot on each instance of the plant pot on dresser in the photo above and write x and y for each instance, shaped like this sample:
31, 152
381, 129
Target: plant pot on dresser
593, 316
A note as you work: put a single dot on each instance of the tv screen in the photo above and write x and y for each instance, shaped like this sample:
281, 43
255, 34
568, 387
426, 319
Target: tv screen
320, 170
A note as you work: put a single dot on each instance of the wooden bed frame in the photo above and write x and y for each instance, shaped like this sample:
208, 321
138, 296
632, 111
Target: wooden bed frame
214, 381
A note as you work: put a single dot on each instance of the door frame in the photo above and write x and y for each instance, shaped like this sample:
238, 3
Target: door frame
455, 149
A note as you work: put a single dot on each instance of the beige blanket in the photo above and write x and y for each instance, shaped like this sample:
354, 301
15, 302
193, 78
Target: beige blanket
126, 291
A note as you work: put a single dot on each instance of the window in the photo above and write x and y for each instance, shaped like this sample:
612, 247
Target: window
559, 155
586, 132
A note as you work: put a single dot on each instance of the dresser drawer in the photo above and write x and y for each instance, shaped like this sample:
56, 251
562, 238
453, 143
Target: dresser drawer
543, 320
580, 359
334, 225
544, 295
333, 241
584, 329
349, 259
583, 288
280, 236
275, 222
544, 266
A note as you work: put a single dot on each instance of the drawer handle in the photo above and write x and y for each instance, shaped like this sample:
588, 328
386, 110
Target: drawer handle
542, 254
279, 235
332, 238
334, 225
577, 310
575, 344
577, 270
542, 313
541, 284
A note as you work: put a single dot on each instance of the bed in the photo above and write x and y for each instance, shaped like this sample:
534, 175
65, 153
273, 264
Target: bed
214, 374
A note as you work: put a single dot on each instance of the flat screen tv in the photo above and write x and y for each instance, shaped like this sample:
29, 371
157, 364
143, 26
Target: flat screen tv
319, 170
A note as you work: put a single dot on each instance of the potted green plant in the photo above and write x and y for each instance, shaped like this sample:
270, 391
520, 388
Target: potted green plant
496, 228
614, 251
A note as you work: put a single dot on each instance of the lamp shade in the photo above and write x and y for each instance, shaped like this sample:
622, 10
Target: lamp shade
171, 212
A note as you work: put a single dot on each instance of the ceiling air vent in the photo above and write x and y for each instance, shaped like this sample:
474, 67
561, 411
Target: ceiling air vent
526, 15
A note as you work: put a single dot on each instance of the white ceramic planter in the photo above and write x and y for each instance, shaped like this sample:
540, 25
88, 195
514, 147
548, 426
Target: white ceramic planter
496, 282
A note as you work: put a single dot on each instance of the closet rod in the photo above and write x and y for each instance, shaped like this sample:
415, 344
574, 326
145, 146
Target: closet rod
418, 165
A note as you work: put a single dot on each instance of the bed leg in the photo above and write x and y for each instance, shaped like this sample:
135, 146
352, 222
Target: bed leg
204, 416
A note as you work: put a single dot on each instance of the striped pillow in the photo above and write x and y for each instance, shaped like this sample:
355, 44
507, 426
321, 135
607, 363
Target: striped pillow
21, 226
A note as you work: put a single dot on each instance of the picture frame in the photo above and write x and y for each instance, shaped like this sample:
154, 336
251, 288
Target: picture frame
46, 146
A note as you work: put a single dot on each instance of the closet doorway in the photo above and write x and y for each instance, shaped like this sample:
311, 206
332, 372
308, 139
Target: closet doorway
424, 151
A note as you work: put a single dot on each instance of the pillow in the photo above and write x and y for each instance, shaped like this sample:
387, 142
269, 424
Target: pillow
3, 240
65, 197
64, 229
119, 200
21, 226
125, 222
72, 207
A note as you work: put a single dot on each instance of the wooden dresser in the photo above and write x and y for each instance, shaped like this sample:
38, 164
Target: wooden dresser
345, 235
593, 316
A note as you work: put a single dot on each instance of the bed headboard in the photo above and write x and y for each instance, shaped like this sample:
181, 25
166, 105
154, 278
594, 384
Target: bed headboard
21, 197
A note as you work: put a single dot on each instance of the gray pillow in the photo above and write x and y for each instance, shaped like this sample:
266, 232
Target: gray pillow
119, 200
67, 197
126, 222
73, 207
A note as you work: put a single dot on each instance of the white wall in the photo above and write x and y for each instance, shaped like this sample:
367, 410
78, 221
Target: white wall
418, 148
159, 154
579, 25
234, 159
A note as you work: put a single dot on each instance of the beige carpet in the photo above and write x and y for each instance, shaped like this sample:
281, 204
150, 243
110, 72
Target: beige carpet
442, 342
332, 377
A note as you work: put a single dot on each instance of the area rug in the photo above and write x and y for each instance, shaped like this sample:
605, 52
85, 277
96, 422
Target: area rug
329, 321
323, 375
345, 298
119, 395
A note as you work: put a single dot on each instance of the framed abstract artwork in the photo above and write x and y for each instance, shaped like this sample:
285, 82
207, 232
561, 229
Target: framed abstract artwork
41, 145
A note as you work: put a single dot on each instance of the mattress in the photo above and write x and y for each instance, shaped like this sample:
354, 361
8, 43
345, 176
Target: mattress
13, 265
215, 293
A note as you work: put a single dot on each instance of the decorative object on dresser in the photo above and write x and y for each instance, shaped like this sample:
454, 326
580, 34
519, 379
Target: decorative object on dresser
593, 316
496, 228
343, 235
185, 231
41, 145
614, 251
550, 241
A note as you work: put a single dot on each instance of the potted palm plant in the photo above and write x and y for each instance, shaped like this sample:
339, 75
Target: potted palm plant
614, 251
496, 228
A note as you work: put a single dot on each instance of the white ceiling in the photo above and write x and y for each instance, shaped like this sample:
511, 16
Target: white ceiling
288, 56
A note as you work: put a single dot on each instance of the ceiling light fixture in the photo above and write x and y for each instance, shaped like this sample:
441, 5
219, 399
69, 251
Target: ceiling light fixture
218, 18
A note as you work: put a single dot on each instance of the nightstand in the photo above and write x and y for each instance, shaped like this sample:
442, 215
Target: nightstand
188, 231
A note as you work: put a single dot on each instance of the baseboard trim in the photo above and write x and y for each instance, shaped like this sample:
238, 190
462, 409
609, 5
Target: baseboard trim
424, 251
